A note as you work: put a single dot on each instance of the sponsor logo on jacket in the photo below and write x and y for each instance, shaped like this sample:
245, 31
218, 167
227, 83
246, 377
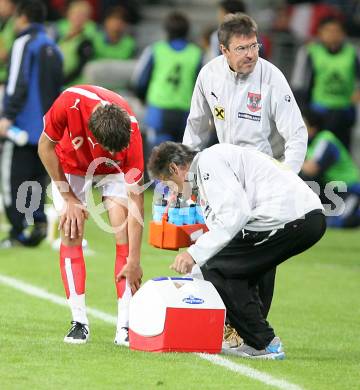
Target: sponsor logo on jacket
219, 112
253, 101
245, 115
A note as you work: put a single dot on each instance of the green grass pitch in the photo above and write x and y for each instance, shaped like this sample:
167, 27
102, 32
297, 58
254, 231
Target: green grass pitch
316, 312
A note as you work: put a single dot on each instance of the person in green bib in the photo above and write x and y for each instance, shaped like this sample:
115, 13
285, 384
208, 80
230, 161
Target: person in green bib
327, 160
75, 39
164, 79
113, 42
325, 76
7, 35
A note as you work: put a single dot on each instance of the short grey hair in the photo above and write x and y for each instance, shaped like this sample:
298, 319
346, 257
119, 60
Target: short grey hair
236, 24
166, 153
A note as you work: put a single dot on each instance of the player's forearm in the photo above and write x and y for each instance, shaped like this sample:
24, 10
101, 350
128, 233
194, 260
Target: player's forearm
50, 160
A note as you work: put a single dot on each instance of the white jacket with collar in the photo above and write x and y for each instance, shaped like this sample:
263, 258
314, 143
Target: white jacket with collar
242, 188
246, 110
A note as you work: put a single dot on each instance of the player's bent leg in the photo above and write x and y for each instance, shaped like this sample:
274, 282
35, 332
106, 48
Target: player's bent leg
118, 216
73, 274
123, 294
72, 265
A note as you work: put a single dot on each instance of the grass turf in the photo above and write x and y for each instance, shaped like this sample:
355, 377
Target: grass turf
315, 311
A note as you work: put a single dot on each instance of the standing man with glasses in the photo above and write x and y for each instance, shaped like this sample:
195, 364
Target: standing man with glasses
247, 97
249, 100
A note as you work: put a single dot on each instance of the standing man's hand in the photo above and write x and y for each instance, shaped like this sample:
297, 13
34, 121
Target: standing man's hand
133, 273
4, 126
183, 263
73, 218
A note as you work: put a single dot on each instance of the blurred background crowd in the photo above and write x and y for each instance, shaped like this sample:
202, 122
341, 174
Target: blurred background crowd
102, 42
120, 45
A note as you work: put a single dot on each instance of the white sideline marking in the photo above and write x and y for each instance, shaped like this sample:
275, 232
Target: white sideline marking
43, 294
110, 319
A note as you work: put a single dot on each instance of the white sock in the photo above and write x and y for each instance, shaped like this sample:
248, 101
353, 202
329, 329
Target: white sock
123, 309
78, 308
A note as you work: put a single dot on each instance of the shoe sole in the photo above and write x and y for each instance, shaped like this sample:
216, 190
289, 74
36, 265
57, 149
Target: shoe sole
269, 356
121, 344
70, 340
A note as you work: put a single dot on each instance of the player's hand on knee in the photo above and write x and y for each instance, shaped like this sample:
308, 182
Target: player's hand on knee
183, 263
133, 274
72, 220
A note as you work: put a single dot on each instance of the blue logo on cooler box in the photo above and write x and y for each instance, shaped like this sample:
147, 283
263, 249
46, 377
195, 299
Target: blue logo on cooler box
191, 300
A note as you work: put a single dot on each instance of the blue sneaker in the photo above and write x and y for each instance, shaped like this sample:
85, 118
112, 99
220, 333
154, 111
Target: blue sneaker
274, 351
275, 346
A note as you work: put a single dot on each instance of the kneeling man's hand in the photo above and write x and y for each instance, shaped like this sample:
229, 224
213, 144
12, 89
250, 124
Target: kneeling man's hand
183, 263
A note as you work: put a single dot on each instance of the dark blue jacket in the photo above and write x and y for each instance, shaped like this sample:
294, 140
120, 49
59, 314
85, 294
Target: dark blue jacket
34, 81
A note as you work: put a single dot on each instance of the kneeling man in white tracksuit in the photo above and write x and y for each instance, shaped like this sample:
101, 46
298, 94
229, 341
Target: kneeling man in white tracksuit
259, 213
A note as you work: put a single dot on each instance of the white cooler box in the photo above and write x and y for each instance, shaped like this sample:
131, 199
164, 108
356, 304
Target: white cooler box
175, 314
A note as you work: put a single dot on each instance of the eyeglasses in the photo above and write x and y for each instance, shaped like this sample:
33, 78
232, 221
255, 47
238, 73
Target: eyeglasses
242, 50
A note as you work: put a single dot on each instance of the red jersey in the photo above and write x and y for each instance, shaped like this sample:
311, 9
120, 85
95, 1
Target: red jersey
67, 124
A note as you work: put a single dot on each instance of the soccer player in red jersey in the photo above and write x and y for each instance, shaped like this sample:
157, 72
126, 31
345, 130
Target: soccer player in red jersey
92, 136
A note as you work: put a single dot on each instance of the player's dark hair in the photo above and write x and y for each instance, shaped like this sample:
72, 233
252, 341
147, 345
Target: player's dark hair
176, 25
166, 153
111, 126
236, 24
34, 10
232, 6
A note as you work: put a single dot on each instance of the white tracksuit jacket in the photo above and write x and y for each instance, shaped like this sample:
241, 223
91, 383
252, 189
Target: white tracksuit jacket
241, 188
246, 110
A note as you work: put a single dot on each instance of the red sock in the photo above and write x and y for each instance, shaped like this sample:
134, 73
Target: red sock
122, 252
73, 272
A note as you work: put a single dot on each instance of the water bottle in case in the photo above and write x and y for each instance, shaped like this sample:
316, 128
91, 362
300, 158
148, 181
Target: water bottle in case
190, 215
159, 209
174, 213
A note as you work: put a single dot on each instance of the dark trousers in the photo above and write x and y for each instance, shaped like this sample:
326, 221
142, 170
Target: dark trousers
20, 164
340, 122
244, 273
164, 125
